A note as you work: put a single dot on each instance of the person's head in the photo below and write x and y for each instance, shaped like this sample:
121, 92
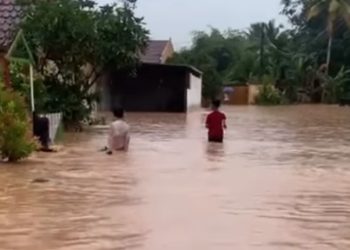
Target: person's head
216, 104
118, 113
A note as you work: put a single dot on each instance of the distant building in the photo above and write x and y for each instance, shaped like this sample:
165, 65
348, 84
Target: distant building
158, 52
156, 86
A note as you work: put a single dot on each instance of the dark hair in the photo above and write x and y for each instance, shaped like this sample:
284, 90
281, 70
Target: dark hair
216, 103
118, 112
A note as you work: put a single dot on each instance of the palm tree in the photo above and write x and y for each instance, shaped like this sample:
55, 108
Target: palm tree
270, 43
257, 34
335, 9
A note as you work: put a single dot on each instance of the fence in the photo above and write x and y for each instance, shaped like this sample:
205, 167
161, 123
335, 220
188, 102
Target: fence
54, 122
242, 95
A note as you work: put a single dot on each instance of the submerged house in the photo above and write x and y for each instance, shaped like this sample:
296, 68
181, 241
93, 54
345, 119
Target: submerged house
155, 86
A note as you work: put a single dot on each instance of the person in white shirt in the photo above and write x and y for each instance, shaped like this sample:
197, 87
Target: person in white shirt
118, 135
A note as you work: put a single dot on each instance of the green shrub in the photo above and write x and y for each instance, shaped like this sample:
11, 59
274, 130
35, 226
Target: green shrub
70, 99
269, 94
16, 141
337, 87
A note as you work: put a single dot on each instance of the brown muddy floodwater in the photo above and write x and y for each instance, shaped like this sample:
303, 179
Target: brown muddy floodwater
280, 181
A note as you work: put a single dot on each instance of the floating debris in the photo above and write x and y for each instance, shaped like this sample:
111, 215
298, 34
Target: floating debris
40, 180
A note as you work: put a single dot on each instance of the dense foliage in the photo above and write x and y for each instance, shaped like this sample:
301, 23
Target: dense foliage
16, 140
269, 94
75, 43
308, 62
20, 82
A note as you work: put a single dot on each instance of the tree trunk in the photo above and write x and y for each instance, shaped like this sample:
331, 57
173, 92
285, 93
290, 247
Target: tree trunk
262, 52
329, 51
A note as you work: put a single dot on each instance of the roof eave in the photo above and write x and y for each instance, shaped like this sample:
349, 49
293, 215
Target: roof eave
193, 70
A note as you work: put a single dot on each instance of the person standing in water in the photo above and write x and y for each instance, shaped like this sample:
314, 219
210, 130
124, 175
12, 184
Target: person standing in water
118, 135
216, 123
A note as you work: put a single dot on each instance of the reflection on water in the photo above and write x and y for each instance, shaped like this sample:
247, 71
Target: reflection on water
281, 180
215, 152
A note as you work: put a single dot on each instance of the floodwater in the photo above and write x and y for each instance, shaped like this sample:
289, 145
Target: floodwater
280, 181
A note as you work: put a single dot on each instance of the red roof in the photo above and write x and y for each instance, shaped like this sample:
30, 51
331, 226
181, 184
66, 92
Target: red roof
10, 18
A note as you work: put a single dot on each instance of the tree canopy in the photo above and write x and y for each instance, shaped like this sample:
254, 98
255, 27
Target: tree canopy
296, 60
75, 42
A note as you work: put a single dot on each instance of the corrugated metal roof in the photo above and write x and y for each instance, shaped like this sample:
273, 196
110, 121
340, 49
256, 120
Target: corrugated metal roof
154, 51
10, 18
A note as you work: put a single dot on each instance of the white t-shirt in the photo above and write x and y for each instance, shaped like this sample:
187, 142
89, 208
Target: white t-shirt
118, 137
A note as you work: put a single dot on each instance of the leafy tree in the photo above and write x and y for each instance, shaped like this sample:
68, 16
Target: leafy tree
292, 59
336, 87
215, 54
296, 11
334, 9
320, 30
269, 94
75, 43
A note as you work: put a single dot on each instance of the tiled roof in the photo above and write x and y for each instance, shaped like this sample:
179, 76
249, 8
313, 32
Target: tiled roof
154, 51
10, 18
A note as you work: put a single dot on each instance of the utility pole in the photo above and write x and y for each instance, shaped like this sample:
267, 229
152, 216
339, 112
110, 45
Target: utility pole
262, 50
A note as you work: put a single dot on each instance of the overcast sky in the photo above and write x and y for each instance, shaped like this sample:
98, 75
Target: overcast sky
176, 19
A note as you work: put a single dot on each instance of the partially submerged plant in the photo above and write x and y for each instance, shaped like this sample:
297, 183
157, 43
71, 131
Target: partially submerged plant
16, 140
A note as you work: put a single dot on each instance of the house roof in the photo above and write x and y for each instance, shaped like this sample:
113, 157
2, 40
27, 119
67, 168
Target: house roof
154, 51
184, 67
10, 18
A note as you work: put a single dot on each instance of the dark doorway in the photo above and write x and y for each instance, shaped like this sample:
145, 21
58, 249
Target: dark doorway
154, 88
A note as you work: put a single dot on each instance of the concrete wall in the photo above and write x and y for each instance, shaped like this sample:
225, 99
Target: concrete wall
253, 93
104, 94
194, 91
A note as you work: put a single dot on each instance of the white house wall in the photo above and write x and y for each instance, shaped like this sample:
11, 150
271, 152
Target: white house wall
105, 98
194, 93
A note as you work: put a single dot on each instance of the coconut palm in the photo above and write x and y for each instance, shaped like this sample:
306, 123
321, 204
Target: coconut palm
335, 9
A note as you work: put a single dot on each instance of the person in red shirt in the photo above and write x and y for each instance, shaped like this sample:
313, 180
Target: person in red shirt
216, 123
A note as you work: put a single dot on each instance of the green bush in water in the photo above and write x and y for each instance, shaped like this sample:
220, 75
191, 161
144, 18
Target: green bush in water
16, 140
268, 93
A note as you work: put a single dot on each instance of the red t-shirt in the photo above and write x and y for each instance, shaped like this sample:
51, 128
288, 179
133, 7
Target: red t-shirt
215, 124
